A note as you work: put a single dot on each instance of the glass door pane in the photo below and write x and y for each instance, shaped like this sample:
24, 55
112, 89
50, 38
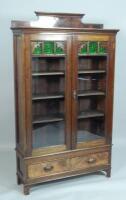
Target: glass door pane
48, 93
91, 92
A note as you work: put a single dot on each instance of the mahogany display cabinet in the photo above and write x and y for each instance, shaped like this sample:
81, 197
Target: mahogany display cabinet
64, 78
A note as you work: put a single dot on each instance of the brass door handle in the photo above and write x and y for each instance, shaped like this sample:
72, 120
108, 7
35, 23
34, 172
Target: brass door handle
75, 95
91, 160
48, 167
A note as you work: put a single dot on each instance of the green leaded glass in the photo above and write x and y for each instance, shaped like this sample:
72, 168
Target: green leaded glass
83, 48
102, 47
48, 47
59, 48
93, 47
37, 48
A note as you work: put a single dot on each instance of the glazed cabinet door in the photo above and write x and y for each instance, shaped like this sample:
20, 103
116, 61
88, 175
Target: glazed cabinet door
91, 89
50, 93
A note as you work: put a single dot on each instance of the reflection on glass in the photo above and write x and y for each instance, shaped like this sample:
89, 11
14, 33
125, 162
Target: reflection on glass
59, 48
91, 82
53, 85
48, 95
47, 108
91, 91
83, 49
49, 64
90, 129
48, 134
89, 105
37, 48
92, 47
48, 47
92, 63
102, 47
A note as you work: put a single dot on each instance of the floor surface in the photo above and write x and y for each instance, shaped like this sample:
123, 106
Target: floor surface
88, 187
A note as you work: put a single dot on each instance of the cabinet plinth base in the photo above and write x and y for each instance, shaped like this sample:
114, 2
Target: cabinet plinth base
42, 169
26, 189
108, 173
19, 182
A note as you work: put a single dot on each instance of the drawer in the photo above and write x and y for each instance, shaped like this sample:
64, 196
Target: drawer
42, 169
88, 161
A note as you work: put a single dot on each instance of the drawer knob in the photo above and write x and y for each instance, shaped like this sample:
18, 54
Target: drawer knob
91, 160
48, 168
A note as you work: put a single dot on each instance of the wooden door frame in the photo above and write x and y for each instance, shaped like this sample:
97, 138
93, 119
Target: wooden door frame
109, 85
28, 85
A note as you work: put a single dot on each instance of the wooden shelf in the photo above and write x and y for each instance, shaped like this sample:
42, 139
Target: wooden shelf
93, 55
49, 96
48, 118
90, 114
90, 93
100, 71
47, 73
49, 56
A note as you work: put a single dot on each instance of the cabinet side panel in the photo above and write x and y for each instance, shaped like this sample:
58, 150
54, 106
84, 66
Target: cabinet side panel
16, 88
19, 93
110, 89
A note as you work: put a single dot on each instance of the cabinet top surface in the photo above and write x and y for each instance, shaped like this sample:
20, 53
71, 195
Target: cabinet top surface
59, 21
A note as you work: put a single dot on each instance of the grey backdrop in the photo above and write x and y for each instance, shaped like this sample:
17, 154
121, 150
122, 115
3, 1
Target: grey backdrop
111, 13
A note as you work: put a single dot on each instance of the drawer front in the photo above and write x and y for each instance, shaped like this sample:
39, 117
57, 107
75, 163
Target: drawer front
88, 161
42, 169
